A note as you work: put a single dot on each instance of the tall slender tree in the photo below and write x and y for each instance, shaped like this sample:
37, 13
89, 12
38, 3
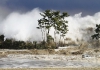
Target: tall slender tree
60, 24
45, 22
53, 19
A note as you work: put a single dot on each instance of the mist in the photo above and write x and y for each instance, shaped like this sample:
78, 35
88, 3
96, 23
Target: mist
22, 26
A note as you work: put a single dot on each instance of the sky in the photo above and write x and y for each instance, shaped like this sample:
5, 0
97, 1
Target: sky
87, 7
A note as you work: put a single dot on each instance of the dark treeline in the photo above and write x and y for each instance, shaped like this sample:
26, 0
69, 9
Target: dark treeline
13, 44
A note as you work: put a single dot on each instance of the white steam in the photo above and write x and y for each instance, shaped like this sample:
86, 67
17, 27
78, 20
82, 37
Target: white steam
23, 26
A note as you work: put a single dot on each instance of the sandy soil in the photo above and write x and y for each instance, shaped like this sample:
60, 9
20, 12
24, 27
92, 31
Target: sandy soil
52, 69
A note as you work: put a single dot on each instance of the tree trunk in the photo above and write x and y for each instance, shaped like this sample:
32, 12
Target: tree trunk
42, 34
60, 41
55, 37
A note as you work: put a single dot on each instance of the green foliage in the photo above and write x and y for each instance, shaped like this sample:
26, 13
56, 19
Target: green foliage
49, 38
97, 30
54, 19
7, 43
1, 40
97, 35
1, 37
12, 44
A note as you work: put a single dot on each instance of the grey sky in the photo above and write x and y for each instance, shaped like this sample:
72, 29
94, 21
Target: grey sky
71, 6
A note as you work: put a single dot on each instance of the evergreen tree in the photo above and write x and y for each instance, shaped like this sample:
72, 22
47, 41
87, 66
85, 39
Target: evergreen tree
53, 19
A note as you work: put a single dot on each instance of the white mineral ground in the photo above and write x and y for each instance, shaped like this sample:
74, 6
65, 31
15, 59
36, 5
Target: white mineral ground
39, 61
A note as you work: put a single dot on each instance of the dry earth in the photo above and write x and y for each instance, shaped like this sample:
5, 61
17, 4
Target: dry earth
53, 69
69, 55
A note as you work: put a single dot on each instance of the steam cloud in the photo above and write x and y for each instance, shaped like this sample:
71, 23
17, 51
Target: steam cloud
22, 26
